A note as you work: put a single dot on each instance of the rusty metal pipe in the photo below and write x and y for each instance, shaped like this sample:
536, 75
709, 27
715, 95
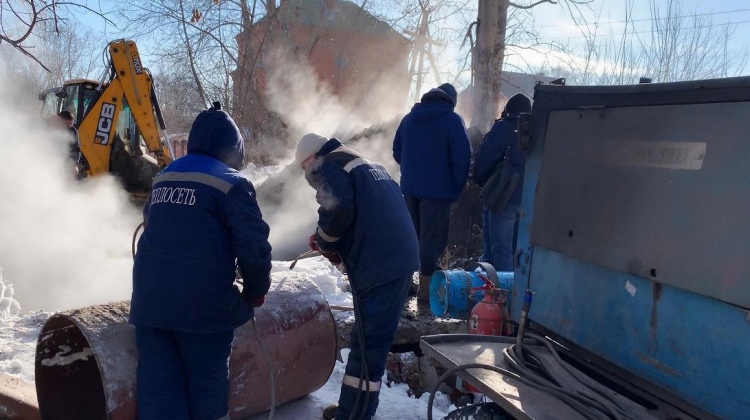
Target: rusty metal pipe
17, 399
86, 358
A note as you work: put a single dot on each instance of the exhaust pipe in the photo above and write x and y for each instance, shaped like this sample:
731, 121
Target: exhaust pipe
86, 359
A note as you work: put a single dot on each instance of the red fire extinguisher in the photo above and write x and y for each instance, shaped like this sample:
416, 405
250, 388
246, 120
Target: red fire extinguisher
486, 317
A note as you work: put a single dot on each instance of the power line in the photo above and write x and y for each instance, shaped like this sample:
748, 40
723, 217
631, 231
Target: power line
654, 31
650, 19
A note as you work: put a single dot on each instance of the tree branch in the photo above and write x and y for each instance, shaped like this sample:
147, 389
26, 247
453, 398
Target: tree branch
520, 6
37, 13
23, 51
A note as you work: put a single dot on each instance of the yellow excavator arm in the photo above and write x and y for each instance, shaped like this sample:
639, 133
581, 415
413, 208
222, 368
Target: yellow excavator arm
130, 86
120, 126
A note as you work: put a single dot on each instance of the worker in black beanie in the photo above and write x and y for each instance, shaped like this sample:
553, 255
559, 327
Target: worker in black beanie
500, 143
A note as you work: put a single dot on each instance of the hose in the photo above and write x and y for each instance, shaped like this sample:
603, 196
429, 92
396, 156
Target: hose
307, 254
263, 351
364, 374
591, 392
135, 236
499, 370
529, 365
269, 363
363, 371
588, 397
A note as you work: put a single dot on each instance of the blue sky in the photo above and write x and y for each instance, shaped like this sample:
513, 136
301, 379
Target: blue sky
554, 24
612, 11
610, 15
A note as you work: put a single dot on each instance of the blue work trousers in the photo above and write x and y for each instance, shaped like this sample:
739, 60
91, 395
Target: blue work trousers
182, 375
380, 309
431, 217
497, 237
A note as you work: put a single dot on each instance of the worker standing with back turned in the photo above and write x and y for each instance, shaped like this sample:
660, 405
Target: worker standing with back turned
364, 223
502, 142
201, 220
434, 153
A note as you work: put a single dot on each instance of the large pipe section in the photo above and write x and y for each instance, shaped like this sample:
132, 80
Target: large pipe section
86, 358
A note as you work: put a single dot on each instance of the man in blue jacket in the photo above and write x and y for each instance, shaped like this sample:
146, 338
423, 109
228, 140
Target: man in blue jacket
362, 219
201, 220
434, 153
498, 227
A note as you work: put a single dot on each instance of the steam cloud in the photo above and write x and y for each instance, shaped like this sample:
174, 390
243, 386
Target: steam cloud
63, 245
66, 245
307, 105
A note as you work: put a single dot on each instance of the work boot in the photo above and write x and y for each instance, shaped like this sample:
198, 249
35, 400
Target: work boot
329, 413
423, 295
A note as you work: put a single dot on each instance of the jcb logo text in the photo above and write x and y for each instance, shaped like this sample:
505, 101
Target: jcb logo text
104, 127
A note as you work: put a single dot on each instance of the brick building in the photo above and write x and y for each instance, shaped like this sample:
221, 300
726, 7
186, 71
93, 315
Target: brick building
348, 48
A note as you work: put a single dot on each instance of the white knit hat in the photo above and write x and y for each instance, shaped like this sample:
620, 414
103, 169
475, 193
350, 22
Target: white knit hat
309, 145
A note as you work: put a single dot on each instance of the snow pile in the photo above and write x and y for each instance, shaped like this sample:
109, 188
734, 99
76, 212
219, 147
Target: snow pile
328, 278
8, 305
18, 334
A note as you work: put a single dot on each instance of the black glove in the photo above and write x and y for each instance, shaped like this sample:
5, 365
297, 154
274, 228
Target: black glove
257, 302
242, 296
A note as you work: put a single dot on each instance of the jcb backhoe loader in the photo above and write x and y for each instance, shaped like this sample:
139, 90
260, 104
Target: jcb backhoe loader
119, 122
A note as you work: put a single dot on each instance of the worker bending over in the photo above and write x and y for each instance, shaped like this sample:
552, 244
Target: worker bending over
363, 220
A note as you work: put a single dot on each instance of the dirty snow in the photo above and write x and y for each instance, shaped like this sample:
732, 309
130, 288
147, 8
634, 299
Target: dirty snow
18, 335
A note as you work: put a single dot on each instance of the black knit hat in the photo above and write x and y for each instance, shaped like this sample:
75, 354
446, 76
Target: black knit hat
214, 133
518, 103
450, 91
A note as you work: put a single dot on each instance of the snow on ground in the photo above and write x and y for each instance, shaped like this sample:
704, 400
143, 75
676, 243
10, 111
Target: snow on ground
18, 336
394, 401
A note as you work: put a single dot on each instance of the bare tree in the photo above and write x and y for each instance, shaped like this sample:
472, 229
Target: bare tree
71, 52
435, 28
497, 24
20, 21
200, 39
488, 55
179, 100
68, 52
678, 45
438, 26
